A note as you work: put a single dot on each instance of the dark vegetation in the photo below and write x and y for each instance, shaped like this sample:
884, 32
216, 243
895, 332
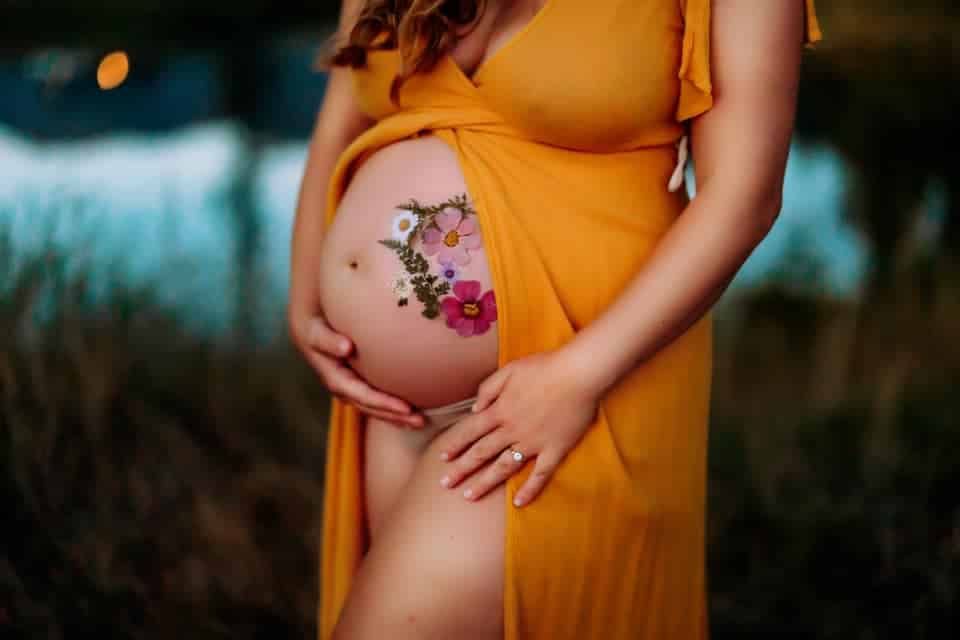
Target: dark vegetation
156, 23
883, 90
155, 483
159, 483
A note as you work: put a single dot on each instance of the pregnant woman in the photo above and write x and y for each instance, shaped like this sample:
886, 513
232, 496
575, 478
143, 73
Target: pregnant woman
499, 276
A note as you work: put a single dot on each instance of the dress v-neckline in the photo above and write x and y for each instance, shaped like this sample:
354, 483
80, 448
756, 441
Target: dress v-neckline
474, 78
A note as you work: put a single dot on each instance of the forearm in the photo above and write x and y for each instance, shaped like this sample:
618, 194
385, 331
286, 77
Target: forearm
339, 122
688, 271
308, 224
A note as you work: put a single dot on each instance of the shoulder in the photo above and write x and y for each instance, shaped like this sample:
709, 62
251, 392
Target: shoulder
695, 73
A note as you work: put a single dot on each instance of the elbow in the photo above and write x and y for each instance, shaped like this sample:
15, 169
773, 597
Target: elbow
752, 206
765, 213
772, 208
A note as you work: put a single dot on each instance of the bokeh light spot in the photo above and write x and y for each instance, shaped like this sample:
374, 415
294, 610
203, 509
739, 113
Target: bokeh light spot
113, 70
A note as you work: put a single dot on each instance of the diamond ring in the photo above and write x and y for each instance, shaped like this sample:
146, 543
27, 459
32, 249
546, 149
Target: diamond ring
517, 455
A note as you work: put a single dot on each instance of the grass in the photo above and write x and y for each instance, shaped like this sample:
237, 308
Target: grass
158, 483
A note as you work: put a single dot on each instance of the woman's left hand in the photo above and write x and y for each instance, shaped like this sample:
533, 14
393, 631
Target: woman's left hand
540, 405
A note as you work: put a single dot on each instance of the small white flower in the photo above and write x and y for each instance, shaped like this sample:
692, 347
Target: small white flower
403, 225
401, 286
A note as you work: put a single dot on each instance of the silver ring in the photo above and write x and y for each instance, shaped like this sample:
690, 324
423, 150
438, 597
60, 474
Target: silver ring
517, 455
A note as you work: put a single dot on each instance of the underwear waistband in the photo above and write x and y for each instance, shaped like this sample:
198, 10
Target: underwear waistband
440, 417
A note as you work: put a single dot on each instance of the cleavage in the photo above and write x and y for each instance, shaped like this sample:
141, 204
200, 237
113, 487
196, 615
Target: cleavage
500, 23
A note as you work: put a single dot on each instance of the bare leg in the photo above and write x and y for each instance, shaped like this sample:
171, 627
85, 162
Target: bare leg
389, 462
435, 570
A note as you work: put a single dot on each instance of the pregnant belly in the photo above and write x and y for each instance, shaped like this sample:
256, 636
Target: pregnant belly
404, 274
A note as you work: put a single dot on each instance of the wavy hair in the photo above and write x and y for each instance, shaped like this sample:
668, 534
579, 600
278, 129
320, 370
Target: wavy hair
423, 31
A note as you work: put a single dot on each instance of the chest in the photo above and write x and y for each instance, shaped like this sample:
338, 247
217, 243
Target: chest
597, 75
501, 22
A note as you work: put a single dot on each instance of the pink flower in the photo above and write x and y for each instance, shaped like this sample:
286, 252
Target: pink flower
454, 238
467, 311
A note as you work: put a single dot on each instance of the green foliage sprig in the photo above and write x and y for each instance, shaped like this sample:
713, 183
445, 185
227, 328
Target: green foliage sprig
428, 287
426, 213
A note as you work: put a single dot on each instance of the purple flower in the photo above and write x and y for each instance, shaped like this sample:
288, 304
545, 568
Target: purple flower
450, 272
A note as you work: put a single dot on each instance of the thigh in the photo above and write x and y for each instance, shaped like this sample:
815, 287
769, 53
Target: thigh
388, 465
436, 568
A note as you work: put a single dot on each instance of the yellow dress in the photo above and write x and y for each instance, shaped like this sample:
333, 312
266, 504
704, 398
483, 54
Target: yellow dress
567, 137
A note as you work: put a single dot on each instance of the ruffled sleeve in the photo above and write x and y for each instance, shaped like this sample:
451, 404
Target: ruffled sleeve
696, 89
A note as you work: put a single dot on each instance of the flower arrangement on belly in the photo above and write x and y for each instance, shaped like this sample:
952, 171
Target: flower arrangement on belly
437, 339
449, 233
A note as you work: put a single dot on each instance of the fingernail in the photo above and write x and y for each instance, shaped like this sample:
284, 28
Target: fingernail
444, 456
344, 347
474, 407
517, 502
445, 482
468, 494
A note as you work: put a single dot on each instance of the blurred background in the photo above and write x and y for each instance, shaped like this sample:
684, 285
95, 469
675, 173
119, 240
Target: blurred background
162, 446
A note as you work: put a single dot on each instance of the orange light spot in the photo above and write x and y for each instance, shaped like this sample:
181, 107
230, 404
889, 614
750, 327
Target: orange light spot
113, 70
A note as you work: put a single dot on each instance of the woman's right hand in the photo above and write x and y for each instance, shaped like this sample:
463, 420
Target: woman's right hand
339, 121
326, 351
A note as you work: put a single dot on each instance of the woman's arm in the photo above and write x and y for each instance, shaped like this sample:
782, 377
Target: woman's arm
740, 149
544, 403
339, 121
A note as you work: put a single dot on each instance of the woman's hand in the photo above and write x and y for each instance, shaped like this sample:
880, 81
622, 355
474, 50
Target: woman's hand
540, 405
326, 351
339, 121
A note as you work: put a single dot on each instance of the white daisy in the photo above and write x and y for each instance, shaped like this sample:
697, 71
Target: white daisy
403, 225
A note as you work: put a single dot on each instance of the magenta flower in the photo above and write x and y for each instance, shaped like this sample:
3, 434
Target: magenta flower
453, 239
467, 311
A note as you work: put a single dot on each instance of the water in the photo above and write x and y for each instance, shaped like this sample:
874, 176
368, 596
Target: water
159, 207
